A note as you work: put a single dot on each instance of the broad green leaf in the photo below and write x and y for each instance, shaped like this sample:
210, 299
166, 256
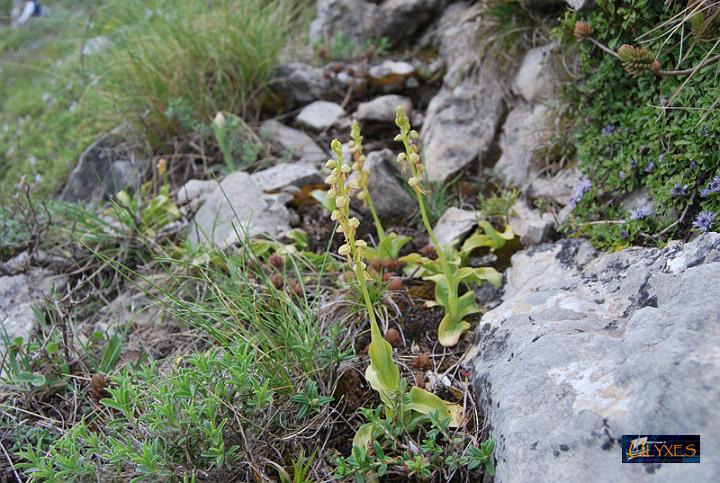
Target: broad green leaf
111, 354
450, 330
382, 373
425, 402
363, 436
299, 237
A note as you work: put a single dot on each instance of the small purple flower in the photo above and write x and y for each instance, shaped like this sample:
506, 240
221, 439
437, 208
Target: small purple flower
704, 221
713, 187
608, 129
622, 175
625, 234
679, 190
649, 167
580, 191
642, 212
705, 132
715, 184
634, 164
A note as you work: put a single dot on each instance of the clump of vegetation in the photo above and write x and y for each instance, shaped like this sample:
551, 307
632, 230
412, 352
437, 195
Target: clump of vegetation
647, 129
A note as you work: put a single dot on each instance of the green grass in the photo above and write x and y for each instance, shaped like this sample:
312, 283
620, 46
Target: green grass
211, 56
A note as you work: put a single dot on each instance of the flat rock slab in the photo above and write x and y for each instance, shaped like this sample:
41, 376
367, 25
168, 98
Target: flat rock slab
292, 142
587, 346
244, 205
18, 294
454, 224
382, 109
320, 115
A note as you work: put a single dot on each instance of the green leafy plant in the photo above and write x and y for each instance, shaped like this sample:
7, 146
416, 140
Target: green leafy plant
410, 407
446, 272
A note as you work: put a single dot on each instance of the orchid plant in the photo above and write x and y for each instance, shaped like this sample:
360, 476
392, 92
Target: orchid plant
410, 407
447, 272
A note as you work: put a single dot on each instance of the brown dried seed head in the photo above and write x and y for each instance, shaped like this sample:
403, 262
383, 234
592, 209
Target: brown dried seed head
389, 264
422, 362
277, 280
655, 66
428, 250
296, 287
276, 260
419, 380
396, 284
387, 277
583, 30
98, 383
393, 337
376, 264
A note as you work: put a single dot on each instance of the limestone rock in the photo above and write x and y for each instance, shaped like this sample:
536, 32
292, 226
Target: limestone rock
558, 188
390, 74
292, 141
298, 84
252, 205
18, 294
459, 126
287, 174
586, 347
382, 109
536, 79
320, 115
107, 166
526, 131
353, 19
462, 119
194, 189
529, 225
391, 201
454, 224
400, 20
236, 209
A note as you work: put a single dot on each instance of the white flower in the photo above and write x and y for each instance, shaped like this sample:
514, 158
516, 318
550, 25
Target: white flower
354, 222
342, 201
361, 243
219, 120
344, 250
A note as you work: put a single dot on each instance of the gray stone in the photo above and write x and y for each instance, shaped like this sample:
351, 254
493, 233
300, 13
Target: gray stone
292, 141
581, 4
194, 189
18, 294
251, 205
525, 132
359, 20
454, 224
353, 19
586, 347
536, 79
295, 85
558, 188
391, 201
109, 165
400, 20
236, 209
320, 115
529, 225
460, 126
287, 174
391, 74
462, 119
382, 109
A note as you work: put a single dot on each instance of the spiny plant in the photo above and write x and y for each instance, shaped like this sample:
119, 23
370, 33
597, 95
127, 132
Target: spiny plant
447, 272
410, 407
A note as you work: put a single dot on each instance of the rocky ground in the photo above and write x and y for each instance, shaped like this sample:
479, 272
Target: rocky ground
576, 348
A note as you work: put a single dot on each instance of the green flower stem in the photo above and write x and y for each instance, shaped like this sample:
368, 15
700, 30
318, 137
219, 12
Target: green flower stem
376, 218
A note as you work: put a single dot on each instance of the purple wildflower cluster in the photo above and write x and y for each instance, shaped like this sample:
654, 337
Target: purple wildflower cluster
679, 190
713, 187
650, 167
580, 191
642, 212
608, 129
704, 221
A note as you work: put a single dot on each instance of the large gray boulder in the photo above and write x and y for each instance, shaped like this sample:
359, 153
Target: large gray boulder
462, 119
292, 143
391, 201
247, 206
359, 21
295, 85
107, 166
586, 347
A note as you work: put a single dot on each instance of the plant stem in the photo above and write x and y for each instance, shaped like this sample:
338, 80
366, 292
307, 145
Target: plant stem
376, 219
452, 287
374, 328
